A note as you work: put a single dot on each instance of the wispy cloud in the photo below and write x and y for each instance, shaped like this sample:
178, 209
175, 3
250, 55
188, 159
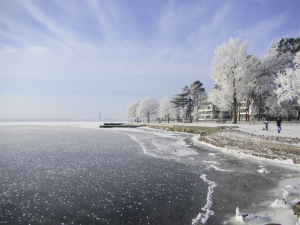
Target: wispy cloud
121, 46
263, 28
39, 50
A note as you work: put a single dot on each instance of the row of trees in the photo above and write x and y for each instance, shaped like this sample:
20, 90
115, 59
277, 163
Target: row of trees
149, 108
245, 78
183, 105
239, 78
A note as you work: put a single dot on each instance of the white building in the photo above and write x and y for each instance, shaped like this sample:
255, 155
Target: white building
208, 111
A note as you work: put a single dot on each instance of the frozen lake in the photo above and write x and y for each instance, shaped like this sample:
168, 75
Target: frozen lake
77, 175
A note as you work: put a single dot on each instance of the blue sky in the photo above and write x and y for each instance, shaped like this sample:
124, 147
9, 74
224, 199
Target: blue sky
75, 58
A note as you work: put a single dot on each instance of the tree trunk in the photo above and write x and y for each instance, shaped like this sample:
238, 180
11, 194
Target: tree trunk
259, 105
298, 113
247, 108
289, 118
234, 104
234, 109
148, 117
168, 118
239, 114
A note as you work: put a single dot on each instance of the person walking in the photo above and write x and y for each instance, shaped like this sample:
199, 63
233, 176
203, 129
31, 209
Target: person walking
266, 123
278, 121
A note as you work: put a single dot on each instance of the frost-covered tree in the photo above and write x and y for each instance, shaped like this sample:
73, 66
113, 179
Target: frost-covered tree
148, 108
227, 70
132, 110
288, 91
190, 103
183, 114
165, 108
176, 113
190, 98
289, 83
284, 45
257, 80
195, 114
181, 100
221, 116
220, 99
197, 93
280, 61
252, 110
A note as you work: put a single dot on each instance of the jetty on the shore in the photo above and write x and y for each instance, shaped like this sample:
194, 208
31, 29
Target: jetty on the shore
120, 125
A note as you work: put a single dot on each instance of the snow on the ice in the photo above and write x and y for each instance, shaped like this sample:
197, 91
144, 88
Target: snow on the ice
280, 203
263, 170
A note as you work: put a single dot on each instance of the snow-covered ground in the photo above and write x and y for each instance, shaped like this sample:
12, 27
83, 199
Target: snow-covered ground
289, 129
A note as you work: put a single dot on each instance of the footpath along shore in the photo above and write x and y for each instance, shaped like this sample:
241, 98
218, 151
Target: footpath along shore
246, 139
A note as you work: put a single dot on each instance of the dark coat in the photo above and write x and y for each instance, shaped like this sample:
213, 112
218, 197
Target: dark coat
278, 121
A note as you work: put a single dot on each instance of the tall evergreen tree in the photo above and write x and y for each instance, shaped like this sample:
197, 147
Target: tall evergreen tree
196, 92
189, 99
181, 100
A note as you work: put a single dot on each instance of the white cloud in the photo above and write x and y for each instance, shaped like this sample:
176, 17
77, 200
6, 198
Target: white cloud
10, 50
220, 15
263, 28
37, 50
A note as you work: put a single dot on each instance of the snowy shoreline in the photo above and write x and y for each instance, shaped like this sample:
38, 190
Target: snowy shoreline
286, 194
250, 140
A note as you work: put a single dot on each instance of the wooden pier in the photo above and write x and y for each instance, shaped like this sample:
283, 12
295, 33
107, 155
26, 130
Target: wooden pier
119, 125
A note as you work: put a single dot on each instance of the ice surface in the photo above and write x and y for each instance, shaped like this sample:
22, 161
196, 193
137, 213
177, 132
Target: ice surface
66, 174
213, 154
55, 175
